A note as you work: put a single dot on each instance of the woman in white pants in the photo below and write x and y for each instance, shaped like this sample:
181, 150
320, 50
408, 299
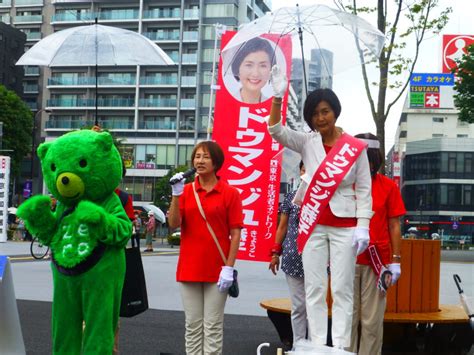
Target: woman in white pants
291, 263
343, 228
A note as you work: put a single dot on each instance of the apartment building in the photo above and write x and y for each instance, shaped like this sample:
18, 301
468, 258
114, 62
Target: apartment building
12, 42
158, 112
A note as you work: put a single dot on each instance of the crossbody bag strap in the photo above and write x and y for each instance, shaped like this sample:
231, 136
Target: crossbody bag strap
198, 201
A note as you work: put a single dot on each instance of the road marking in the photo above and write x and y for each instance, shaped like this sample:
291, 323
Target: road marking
30, 258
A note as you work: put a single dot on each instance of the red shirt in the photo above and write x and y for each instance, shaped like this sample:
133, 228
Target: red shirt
386, 203
199, 259
330, 219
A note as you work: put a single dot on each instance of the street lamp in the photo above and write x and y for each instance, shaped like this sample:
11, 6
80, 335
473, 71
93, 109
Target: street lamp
33, 143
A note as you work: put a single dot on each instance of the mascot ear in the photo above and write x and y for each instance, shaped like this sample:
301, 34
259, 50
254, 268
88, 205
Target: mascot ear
42, 150
105, 141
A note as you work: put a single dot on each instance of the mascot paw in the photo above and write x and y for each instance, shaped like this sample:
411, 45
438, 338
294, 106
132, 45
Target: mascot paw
89, 213
34, 208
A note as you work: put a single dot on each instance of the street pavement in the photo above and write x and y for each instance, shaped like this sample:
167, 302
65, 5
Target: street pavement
161, 329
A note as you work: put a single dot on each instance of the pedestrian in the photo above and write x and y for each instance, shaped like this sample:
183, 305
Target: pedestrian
137, 227
150, 232
203, 276
291, 263
20, 229
342, 228
385, 235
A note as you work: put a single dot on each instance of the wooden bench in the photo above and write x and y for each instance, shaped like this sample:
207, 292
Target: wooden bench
412, 304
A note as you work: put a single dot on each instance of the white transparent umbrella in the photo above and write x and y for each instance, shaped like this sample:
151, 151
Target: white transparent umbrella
159, 215
349, 39
95, 45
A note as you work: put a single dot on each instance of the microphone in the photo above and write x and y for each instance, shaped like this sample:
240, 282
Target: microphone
186, 174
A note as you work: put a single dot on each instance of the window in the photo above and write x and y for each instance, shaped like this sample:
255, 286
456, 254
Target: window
451, 162
437, 135
466, 195
165, 156
438, 119
184, 154
207, 54
462, 136
403, 134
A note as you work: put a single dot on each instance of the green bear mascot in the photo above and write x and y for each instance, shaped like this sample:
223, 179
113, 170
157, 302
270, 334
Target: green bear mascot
87, 233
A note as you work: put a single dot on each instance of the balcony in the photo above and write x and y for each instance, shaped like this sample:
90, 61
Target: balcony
190, 36
28, 19
29, 3
189, 58
162, 14
174, 57
116, 124
5, 19
74, 17
162, 103
116, 102
67, 124
162, 36
159, 124
187, 104
191, 14
79, 102
5, 3
188, 81
155, 80
114, 15
33, 36
33, 106
32, 71
90, 81
30, 88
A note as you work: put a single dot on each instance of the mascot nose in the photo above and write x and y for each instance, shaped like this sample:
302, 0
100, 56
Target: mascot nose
70, 185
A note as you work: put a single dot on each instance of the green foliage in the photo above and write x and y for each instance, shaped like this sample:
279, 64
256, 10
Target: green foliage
17, 127
464, 98
174, 239
163, 188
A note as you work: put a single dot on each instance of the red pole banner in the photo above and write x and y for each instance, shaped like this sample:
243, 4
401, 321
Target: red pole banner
252, 163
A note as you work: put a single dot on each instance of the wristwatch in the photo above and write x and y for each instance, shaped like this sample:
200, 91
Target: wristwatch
395, 256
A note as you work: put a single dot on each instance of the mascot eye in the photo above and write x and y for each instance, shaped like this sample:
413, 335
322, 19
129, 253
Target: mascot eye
53, 167
83, 163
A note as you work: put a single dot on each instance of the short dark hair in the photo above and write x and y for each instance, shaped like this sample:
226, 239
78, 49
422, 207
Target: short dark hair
313, 100
374, 154
301, 164
253, 45
214, 150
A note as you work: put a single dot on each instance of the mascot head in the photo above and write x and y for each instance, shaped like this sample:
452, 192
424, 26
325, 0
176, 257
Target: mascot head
81, 165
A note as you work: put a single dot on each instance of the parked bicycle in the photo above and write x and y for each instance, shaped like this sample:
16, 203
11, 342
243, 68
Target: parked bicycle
37, 249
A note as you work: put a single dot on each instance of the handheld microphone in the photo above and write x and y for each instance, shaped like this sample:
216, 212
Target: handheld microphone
186, 174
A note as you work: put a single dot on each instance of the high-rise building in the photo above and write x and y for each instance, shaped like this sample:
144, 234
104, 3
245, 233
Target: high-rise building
12, 46
159, 112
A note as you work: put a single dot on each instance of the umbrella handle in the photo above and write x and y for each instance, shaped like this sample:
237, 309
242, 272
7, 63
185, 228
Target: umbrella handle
457, 280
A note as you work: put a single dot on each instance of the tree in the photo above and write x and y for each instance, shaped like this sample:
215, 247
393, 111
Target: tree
17, 122
163, 188
391, 64
464, 99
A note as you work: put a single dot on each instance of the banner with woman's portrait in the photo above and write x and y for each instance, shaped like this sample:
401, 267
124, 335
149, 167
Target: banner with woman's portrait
252, 164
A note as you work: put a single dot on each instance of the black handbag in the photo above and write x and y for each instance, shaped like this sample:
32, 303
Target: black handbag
134, 295
233, 290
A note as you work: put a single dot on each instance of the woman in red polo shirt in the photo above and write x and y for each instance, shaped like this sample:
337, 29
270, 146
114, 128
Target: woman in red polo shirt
203, 276
369, 302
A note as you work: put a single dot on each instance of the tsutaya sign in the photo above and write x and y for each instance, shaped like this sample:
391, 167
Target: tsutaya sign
4, 183
431, 90
454, 46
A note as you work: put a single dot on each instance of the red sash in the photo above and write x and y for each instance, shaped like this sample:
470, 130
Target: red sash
325, 182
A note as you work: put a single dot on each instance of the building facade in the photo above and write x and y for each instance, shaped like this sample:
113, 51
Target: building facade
159, 113
12, 46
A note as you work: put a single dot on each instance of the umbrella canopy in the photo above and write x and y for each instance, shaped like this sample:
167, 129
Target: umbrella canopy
159, 215
95, 45
345, 39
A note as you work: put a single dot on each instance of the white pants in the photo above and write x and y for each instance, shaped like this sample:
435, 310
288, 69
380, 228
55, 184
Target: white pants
369, 309
204, 312
299, 322
334, 245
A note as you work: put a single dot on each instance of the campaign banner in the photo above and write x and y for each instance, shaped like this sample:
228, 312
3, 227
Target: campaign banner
253, 159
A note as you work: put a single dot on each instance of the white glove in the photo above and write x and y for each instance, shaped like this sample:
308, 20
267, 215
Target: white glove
177, 188
279, 82
360, 239
226, 278
395, 270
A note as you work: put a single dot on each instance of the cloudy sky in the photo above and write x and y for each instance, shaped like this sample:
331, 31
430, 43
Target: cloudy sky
355, 117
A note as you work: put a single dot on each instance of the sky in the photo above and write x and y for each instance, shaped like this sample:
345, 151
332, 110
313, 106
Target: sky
355, 116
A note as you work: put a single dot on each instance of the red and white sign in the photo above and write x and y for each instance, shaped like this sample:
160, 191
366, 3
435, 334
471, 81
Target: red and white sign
431, 100
454, 46
252, 163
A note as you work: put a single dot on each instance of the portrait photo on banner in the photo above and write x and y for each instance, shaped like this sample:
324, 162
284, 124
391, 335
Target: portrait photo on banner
246, 69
